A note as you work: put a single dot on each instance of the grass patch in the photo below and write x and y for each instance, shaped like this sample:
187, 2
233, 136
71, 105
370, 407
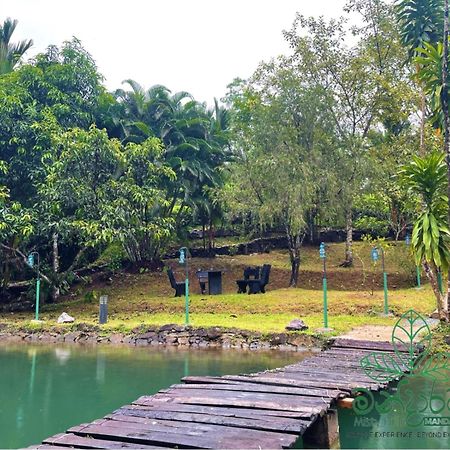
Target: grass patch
355, 295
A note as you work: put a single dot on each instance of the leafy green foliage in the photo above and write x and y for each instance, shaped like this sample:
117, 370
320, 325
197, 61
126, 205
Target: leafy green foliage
427, 177
430, 74
11, 53
421, 23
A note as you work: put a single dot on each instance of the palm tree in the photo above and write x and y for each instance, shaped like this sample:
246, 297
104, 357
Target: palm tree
195, 143
11, 53
421, 23
427, 178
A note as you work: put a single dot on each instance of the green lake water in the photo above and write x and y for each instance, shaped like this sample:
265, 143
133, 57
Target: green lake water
415, 416
46, 389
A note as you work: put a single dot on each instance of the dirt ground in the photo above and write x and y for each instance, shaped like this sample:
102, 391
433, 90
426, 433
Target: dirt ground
379, 333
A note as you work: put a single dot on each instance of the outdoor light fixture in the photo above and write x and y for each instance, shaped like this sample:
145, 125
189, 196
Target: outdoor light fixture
184, 260
31, 260
375, 256
323, 255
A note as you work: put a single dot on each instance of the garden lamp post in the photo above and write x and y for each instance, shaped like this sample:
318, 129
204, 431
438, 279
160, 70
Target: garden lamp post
323, 256
375, 257
34, 260
408, 243
184, 260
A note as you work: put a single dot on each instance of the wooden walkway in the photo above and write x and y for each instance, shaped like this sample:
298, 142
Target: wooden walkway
271, 409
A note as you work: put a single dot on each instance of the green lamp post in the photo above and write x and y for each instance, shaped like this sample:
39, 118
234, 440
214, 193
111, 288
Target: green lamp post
184, 260
375, 257
34, 260
323, 256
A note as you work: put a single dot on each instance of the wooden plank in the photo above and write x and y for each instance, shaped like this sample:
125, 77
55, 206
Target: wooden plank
356, 381
281, 379
277, 424
314, 373
72, 440
227, 438
367, 345
249, 387
247, 402
216, 410
239, 394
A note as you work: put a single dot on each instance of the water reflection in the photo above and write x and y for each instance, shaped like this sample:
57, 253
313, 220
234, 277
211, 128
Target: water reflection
62, 354
45, 389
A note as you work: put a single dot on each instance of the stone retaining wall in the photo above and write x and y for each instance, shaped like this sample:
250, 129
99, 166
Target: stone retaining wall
171, 334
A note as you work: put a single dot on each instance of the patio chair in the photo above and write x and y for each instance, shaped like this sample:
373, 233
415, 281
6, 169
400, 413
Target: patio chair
180, 288
259, 285
248, 272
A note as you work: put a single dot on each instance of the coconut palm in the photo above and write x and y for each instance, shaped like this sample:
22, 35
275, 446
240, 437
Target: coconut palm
427, 178
11, 53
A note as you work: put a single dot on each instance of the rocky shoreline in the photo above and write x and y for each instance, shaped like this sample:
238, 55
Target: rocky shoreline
166, 335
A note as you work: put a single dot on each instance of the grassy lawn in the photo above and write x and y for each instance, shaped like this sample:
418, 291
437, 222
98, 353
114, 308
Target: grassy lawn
355, 295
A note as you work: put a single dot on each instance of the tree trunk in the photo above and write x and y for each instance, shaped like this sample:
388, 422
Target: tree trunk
204, 234
440, 298
349, 240
444, 97
295, 267
211, 236
294, 245
56, 290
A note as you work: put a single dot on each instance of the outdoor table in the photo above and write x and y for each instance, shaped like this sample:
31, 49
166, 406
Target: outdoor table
215, 282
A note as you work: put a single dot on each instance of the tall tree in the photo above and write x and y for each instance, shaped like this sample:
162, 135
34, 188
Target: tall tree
11, 53
421, 23
282, 171
355, 83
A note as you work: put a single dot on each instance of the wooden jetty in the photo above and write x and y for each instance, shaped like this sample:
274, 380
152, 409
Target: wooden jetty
266, 410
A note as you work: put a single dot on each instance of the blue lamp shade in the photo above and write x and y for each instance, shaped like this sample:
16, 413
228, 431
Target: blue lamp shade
322, 252
375, 255
408, 239
30, 260
182, 255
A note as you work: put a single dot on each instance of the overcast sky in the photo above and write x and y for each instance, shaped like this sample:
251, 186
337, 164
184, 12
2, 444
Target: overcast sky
199, 45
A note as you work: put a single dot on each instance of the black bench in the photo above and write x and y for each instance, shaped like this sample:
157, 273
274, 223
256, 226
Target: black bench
259, 285
248, 272
180, 288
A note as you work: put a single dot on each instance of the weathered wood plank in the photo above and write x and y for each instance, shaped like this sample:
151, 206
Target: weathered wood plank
367, 345
277, 424
249, 387
246, 402
74, 441
227, 438
217, 410
281, 379
239, 394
